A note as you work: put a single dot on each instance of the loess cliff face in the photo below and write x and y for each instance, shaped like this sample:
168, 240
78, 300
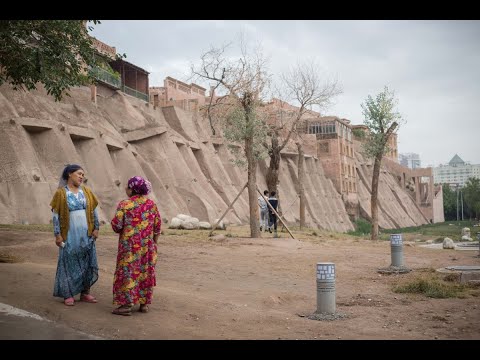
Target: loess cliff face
395, 207
120, 136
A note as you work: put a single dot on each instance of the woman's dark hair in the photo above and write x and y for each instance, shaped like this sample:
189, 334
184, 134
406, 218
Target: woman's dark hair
272, 193
70, 168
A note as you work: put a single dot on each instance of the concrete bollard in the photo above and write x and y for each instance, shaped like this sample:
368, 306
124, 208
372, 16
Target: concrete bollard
478, 238
326, 288
396, 244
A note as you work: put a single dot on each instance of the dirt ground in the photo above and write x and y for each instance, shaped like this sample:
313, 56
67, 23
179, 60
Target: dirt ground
242, 288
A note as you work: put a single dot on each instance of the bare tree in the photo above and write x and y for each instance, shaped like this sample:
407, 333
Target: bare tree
302, 85
244, 80
301, 179
381, 120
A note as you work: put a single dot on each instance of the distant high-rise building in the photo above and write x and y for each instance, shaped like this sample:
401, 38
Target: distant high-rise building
456, 172
410, 160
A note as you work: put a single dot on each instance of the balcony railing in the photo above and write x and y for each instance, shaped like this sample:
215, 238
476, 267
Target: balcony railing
135, 93
106, 77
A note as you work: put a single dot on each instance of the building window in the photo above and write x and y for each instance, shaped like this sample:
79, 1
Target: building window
322, 128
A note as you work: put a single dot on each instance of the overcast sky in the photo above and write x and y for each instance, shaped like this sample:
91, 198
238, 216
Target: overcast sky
433, 67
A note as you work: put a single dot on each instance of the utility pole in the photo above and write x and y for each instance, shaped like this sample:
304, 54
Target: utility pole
457, 203
461, 197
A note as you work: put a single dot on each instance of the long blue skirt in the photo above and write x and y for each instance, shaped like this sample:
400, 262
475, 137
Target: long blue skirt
77, 268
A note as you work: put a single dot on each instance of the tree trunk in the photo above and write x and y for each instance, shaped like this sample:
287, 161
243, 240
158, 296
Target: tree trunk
251, 168
252, 189
375, 179
374, 204
301, 179
273, 169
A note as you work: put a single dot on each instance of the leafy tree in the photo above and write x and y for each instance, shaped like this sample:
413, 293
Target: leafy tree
55, 53
449, 203
471, 193
359, 134
381, 120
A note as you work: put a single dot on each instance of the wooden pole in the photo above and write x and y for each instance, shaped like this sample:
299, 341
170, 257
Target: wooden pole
225, 213
279, 218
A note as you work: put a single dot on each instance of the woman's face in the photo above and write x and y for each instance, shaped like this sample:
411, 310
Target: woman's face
128, 191
76, 178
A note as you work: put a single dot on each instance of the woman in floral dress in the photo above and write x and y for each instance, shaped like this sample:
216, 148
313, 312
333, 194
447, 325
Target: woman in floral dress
138, 222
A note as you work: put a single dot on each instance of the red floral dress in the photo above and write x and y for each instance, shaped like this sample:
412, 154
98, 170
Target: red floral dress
137, 219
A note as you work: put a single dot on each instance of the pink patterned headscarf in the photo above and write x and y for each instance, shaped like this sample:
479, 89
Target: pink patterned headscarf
139, 185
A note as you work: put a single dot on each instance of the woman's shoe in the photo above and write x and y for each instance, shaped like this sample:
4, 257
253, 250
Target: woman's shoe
143, 308
69, 301
123, 310
88, 298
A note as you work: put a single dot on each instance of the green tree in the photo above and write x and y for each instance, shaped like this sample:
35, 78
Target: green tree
449, 203
471, 193
381, 120
55, 53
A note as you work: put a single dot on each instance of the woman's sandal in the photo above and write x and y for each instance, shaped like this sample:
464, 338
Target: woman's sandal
143, 308
69, 301
122, 310
88, 298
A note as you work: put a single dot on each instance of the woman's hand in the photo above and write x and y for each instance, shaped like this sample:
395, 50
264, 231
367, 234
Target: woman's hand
95, 234
58, 240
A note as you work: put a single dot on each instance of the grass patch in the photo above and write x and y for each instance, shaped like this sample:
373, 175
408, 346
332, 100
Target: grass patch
362, 228
32, 227
433, 286
451, 229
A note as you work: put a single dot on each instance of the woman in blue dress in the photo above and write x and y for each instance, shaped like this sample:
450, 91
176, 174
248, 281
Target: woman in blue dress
76, 225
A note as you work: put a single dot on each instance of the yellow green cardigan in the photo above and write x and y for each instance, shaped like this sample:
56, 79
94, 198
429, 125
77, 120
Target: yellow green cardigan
60, 206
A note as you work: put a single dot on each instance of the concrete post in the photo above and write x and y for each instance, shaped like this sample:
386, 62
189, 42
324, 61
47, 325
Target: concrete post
326, 288
396, 244
478, 238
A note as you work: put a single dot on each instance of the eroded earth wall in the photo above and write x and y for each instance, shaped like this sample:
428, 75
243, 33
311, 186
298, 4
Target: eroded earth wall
120, 136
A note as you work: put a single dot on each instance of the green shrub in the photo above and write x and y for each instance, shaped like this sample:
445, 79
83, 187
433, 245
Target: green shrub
362, 228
